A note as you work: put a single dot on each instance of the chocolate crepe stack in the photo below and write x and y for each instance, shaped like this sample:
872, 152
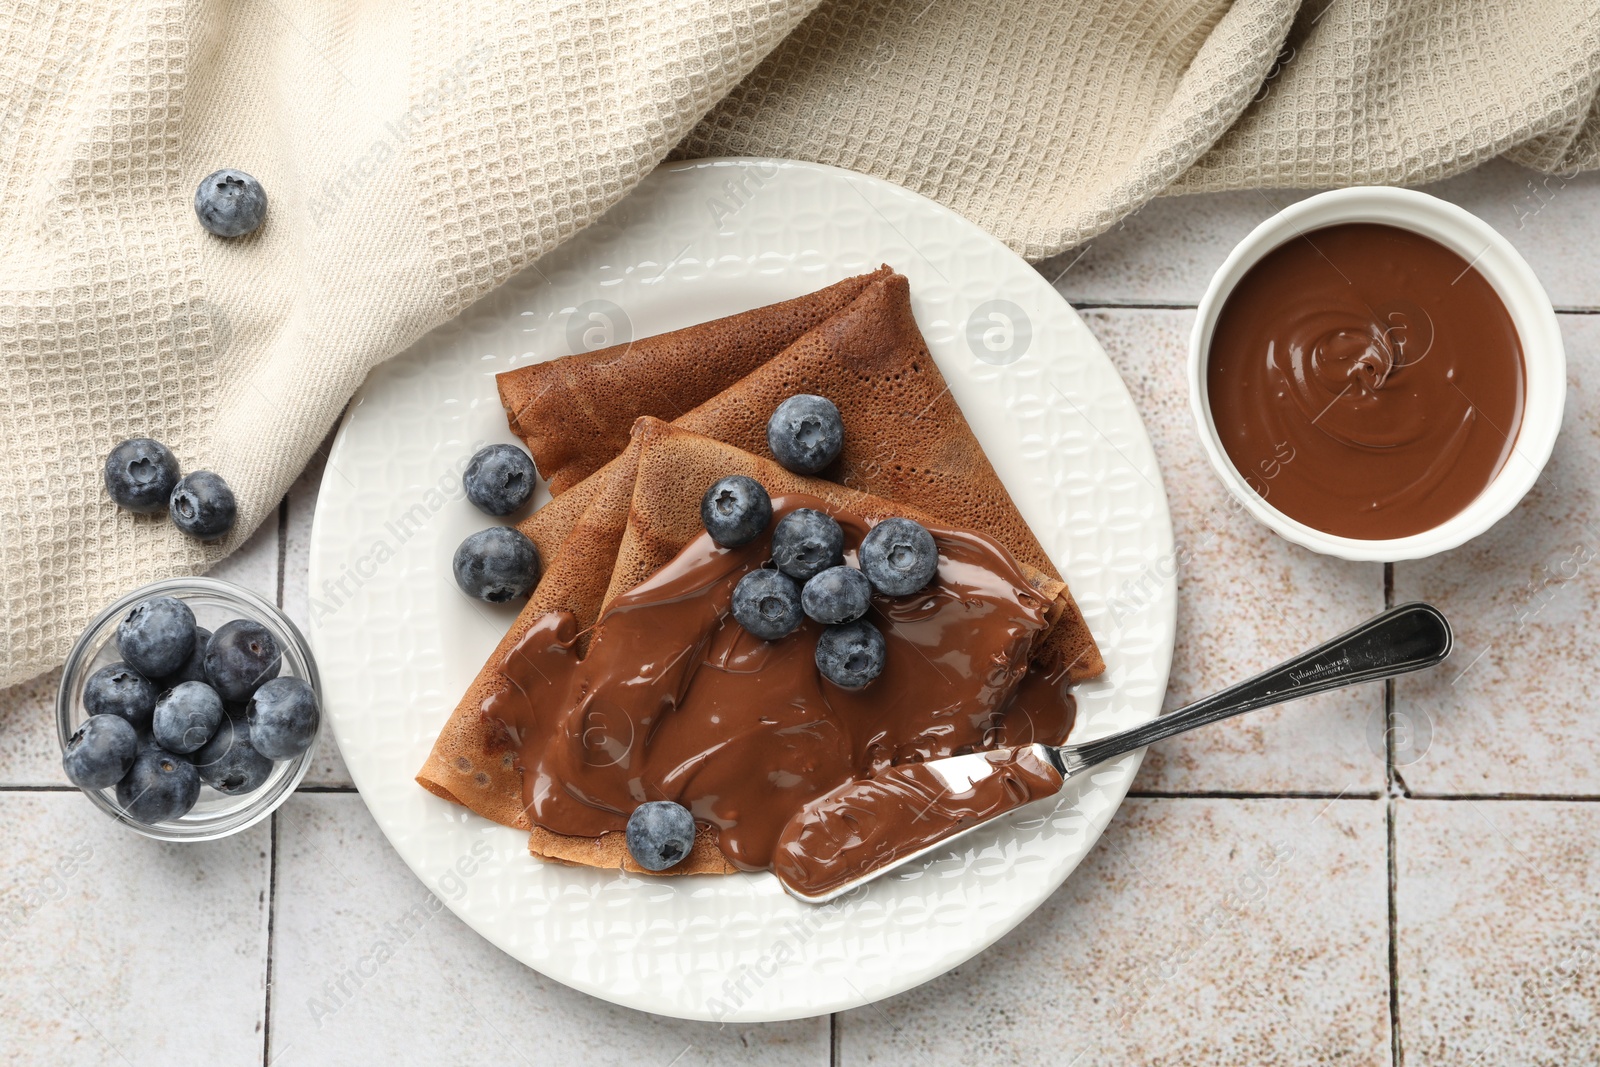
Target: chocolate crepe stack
628, 487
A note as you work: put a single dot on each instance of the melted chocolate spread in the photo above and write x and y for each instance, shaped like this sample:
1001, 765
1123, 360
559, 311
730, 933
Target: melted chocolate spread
871, 822
675, 701
1366, 380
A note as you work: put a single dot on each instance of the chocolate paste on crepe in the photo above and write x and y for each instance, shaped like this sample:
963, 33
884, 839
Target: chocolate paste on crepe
644, 523
674, 700
575, 413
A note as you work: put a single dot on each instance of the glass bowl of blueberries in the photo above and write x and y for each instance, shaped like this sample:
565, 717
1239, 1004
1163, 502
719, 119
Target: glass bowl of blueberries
189, 709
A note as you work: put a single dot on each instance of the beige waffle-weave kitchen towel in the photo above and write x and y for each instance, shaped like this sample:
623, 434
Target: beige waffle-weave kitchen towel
417, 155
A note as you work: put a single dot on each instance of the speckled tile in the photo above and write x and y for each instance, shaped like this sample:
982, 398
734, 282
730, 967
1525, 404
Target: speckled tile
1167, 252
327, 768
255, 564
1499, 933
30, 754
1246, 600
1513, 711
29, 751
1200, 931
123, 950
338, 998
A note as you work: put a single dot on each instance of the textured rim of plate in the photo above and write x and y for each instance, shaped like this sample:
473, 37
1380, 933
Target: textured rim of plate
395, 641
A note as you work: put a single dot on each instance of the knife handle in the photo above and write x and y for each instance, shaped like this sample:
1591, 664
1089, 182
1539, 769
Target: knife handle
1411, 637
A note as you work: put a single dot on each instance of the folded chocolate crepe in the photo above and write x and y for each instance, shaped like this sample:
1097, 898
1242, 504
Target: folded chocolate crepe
906, 440
905, 437
646, 512
575, 413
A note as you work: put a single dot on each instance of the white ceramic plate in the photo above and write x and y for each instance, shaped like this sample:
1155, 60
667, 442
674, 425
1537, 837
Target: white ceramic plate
397, 643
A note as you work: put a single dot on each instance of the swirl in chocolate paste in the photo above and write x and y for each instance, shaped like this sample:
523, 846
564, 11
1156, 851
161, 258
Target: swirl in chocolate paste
674, 701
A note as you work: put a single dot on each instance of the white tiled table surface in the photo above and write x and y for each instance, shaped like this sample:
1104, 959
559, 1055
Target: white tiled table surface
1288, 889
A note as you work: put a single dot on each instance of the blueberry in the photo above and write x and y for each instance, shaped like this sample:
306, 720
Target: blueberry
283, 717
230, 203
157, 636
100, 751
140, 474
851, 655
767, 604
660, 834
735, 510
229, 763
838, 594
202, 506
186, 717
240, 656
500, 479
899, 556
194, 668
159, 786
497, 564
805, 543
805, 433
120, 690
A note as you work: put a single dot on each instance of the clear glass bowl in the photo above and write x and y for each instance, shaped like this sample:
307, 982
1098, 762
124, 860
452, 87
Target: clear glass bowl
213, 602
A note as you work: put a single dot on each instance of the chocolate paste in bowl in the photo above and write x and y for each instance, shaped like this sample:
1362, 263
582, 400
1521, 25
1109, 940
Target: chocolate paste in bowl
1366, 381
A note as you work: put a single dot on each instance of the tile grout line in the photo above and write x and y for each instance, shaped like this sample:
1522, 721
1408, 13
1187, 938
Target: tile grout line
283, 544
272, 836
1234, 794
272, 912
1111, 305
1390, 778
1154, 305
1396, 1050
834, 1057
1557, 798
1388, 693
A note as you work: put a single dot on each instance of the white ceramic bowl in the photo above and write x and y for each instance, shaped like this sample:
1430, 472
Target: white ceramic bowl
1544, 359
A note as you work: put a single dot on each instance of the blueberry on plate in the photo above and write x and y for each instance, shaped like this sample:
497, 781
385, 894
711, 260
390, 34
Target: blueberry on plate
805, 543
240, 656
735, 510
500, 479
194, 668
157, 636
851, 655
140, 474
186, 717
660, 834
160, 785
837, 595
229, 763
899, 556
496, 564
100, 751
806, 433
283, 717
230, 203
117, 689
767, 604
202, 506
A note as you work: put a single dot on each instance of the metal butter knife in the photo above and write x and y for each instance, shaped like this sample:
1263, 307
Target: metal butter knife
850, 837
